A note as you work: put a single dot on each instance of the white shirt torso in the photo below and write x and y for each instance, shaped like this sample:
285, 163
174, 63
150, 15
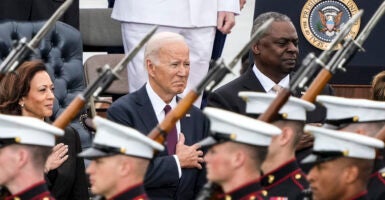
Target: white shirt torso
267, 83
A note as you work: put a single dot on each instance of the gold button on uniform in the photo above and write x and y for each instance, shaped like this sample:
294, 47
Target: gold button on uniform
228, 197
298, 176
252, 197
383, 174
271, 179
264, 193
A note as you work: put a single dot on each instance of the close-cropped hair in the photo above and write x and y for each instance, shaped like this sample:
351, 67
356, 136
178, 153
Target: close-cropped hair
39, 154
262, 18
296, 126
364, 166
256, 153
16, 85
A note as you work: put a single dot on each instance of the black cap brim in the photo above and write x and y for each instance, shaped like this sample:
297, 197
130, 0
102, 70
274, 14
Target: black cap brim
93, 153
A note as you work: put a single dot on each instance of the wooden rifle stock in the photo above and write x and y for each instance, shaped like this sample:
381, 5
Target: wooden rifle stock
307, 69
343, 55
317, 85
215, 75
271, 114
99, 85
70, 112
158, 133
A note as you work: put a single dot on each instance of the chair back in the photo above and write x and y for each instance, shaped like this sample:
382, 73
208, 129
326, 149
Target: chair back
61, 50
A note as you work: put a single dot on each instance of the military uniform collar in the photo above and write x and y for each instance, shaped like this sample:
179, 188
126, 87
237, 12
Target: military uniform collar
361, 196
249, 190
38, 189
378, 165
282, 172
135, 192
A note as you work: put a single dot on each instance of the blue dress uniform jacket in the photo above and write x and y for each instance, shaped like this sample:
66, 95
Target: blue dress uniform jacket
134, 193
376, 186
287, 180
161, 181
38, 191
361, 196
249, 191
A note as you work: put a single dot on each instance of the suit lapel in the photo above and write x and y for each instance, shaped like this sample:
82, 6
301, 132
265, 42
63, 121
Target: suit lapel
251, 82
145, 111
186, 125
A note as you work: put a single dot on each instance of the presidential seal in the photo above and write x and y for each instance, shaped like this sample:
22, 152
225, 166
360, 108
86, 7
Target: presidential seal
321, 20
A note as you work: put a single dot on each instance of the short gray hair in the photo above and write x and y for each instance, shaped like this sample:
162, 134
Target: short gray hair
262, 18
157, 41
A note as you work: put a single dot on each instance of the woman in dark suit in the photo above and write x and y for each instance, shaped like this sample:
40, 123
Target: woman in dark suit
29, 92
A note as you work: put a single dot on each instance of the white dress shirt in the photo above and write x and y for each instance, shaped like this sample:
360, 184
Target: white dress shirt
158, 105
267, 83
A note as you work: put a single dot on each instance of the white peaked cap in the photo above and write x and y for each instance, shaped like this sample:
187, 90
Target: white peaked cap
27, 130
346, 110
258, 102
112, 138
332, 143
229, 126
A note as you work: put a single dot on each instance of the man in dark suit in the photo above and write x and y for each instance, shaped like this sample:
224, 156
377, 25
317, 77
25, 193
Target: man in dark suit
171, 175
275, 58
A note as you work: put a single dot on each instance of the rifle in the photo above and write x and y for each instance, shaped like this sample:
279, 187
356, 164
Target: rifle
215, 75
23, 49
104, 80
210, 190
308, 68
343, 56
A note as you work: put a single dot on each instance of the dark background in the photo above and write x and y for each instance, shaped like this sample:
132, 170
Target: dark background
364, 65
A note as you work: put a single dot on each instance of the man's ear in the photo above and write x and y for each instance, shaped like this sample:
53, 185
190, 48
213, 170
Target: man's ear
22, 157
238, 159
150, 67
351, 174
286, 136
124, 166
255, 48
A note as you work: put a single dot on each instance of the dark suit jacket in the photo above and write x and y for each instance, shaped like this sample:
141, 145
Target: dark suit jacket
161, 181
226, 97
36, 10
